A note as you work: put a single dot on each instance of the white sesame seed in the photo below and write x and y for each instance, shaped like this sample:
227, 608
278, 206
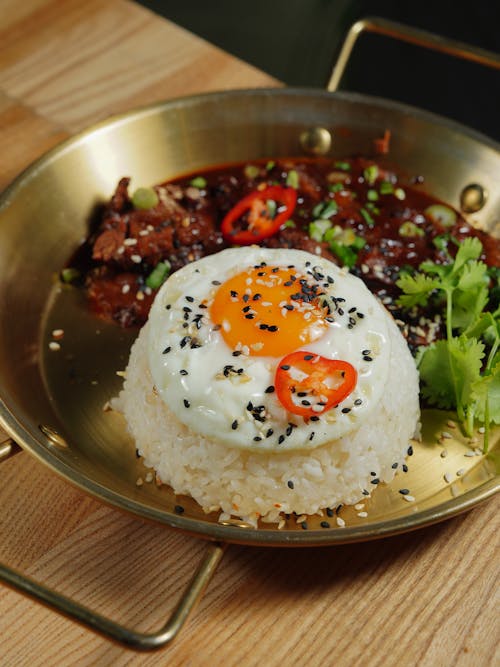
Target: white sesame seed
478, 452
340, 522
144, 232
120, 250
446, 435
409, 498
444, 454
149, 477
139, 481
58, 333
481, 430
139, 296
137, 259
121, 374
460, 472
129, 242
363, 515
359, 506
451, 424
54, 346
447, 477
470, 454
125, 289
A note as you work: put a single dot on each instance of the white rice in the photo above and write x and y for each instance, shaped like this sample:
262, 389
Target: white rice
251, 485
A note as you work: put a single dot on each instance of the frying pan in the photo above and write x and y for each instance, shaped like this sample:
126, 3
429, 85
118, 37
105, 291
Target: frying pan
51, 403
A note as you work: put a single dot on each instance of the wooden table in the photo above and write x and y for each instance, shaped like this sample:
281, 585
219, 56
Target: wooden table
425, 598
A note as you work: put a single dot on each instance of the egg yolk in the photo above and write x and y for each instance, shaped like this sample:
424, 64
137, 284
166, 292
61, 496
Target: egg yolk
272, 310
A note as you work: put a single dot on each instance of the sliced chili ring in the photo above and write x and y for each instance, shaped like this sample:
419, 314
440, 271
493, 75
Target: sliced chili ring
308, 384
254, 212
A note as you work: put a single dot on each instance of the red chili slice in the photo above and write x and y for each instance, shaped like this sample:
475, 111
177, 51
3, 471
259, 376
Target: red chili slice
308, 384
260, 221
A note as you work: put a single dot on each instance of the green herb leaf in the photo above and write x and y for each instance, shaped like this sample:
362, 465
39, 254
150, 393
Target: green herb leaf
292, 179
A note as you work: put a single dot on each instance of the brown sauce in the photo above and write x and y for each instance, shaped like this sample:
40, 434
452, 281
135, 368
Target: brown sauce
371, 221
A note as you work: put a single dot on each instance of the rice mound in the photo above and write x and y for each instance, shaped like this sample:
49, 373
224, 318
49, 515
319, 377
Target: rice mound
252, 485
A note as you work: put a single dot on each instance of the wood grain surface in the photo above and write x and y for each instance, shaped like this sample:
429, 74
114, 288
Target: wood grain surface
426, 598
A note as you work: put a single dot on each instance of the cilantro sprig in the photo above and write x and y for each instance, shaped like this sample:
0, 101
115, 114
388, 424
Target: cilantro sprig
463, 371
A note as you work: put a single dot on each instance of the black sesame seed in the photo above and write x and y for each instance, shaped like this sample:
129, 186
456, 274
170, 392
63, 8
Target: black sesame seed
186, 403
375, 480
285, 367
404, 492
329, 512
394, 466
366, 352
269, 389
302, 393
340, 311
190, 299
312, 435
245, 298
184, 341
410, 451
249, 406
338, 508
324, 524
405, 467
183, 371
290, 484
373, 474
289, 429
352, 310
308, 357
346, 410
273, 327
305, 402
168, 306
249, 316
234, 425
179, 509
365, 492
358, 401
216, 282
263, 327
314, 418
367, 358
256, 297
166, 350
237, 353
246, 309
269, 433
257, 438
360, 315
281, 439
303, 525
187, 309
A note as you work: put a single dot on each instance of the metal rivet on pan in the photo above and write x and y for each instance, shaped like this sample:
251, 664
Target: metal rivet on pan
473, 197
53, 436
316, 141
237, 523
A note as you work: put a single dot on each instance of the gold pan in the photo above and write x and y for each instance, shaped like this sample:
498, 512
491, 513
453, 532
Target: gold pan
51, 402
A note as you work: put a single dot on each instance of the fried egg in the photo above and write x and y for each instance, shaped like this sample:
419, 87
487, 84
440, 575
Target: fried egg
220, 331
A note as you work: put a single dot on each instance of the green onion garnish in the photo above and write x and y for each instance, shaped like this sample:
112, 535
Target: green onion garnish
318, 228
198, 182
145, 198
367, 217
409, 229
370, 174
70, 274
158, 275
386, 188
250, 171
292, 179
344, 166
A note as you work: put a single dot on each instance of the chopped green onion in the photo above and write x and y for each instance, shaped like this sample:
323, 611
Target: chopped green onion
386, 188
158, 275
371, 207
325, 210
318, 228
336, 187
292, 180
198, 182
344, 166
271, 208
251, 171
441, 214
400, 194
346, 255
371, 174
270, 165
145, 198
372, 195
358, 243
410, 229
289, 224
70, 274
367, 217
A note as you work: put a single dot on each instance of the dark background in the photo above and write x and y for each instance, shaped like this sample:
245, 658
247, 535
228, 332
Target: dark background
297, 41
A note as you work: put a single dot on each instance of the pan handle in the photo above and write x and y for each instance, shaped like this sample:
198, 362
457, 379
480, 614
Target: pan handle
8, 448
412, 36
101, 624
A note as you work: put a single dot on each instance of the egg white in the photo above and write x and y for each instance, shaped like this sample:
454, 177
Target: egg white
189, 359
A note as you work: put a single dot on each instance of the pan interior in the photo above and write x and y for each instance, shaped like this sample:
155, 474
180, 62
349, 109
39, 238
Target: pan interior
44, 217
